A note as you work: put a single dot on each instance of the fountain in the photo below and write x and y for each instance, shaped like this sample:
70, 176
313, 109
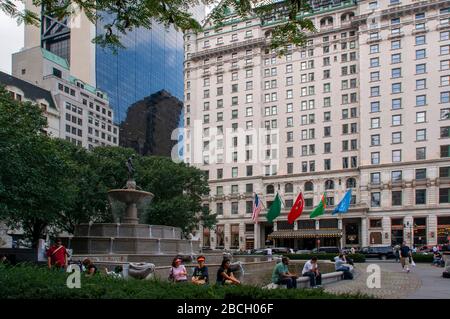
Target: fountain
130, 241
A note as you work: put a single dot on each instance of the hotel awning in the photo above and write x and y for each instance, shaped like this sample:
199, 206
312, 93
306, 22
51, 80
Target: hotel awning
306, 233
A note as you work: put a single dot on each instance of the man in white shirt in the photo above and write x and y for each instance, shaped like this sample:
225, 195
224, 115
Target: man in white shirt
311, 270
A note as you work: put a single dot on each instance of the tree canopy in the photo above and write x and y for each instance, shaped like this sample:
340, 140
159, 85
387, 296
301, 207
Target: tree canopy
124, 15
51, 184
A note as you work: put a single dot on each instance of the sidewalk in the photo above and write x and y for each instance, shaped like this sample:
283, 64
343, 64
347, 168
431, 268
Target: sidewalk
424, 281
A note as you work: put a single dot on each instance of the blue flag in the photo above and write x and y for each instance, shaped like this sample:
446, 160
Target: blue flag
344, 204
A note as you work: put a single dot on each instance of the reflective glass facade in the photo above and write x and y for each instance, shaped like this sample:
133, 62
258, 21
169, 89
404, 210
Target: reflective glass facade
152, 61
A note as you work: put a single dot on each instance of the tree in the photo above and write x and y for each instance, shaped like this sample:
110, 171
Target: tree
33, 182
123, 16
178, 191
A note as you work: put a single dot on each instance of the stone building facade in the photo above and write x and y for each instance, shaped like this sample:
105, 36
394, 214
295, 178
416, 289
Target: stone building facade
365, 104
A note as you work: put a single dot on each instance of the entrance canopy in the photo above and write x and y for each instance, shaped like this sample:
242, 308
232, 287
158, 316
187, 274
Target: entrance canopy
306, 233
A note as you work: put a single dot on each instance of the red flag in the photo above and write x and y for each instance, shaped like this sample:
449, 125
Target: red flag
297, 209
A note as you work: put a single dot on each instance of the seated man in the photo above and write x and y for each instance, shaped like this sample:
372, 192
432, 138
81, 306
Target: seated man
311, 270
282, 276
438, 260
339, 265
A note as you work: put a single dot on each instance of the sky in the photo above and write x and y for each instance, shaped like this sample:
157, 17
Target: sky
12, 40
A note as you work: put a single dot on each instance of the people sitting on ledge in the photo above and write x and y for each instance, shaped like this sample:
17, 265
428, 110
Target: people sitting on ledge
311, 270
225, 275
438, 260
282, 276
200, 275
89, 268
178, 272
341, 264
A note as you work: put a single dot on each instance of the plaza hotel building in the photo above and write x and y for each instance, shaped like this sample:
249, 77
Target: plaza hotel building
364, 104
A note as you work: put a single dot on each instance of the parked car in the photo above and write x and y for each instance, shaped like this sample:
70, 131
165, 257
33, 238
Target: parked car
381, 252
328, 250
282, 250
303, 251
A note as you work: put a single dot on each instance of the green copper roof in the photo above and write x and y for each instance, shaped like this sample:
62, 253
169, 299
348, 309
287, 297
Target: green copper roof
54, 58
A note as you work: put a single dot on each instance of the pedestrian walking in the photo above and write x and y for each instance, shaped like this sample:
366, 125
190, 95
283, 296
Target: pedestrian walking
405, 255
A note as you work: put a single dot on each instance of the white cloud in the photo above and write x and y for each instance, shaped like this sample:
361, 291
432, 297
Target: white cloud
11, 35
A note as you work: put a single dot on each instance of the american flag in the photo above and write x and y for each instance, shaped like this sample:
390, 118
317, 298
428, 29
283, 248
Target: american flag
257, 206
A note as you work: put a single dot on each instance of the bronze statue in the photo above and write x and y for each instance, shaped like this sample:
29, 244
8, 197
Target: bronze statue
130, 168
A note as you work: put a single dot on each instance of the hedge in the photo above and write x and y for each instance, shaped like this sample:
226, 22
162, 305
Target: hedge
421, 258
357, 258
33, 282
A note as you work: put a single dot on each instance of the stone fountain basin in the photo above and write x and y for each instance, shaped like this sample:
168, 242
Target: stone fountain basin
129, 196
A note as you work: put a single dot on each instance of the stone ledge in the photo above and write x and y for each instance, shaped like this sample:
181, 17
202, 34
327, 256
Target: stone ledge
303, 282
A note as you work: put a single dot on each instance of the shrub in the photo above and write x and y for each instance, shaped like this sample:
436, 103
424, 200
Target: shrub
357, 258
32, 282
421, 258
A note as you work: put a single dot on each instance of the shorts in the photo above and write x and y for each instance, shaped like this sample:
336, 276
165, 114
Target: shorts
404, 261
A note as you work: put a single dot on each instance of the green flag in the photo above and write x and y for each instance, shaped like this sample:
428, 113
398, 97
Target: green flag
274, 210
320, 209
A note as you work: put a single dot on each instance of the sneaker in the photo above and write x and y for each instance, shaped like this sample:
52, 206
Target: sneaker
407, 270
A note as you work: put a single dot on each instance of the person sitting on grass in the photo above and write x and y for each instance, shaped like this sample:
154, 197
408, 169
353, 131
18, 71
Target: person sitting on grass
311, 270
225, 275
200, 275
178, 272
282, 276
89, 268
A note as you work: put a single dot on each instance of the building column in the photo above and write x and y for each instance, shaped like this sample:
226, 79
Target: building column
432, 230
408, 230
341, 228
275, 224
227, 235
213, 238
386, 224
364, 232
242, 239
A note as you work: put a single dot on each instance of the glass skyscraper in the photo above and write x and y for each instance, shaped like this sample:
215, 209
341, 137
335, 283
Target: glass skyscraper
151, 61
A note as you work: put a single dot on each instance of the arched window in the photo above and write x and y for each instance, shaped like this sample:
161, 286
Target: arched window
347, 16
327, 21
350, 183
289, 188
329, 184
309, 186
270, 189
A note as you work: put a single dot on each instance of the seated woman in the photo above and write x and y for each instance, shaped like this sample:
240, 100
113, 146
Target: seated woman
339, 265
178, 272
89, 268
200, 275
224, 274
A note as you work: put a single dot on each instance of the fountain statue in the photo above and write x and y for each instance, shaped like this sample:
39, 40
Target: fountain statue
129, 240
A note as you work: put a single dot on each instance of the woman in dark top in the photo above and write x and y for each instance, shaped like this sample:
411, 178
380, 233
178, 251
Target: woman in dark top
224, 274
200, 275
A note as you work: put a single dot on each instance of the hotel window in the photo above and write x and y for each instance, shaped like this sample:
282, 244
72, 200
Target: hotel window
396, 104
289, 108
289, 122
396, 58
289, 81
445, 80
445, 151
445, 65
248, 73
396, 88
445, 49
249, 98
375, 140
220, 104
374, 91
421, 68
234, 114
219, 40
249, 111
326, 116
445, 132
234, 76
248, 34
420, 26
421, 173
396, 73
445, 97
375, 107
396, 176
420, 117
206, 118
421, 84
374, 62
421, 54
421, 153
375, 158
374, 48
374, 36
375, 122
234, 100
396, 198
395, 45
396, 137
219, 117
249, 85
375, 178
421, 196
289, 94
289, 68
374, 76
421, 135
375, 199
445, 114
396, 156
445, 35
396, 31
420, 39
396, 119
